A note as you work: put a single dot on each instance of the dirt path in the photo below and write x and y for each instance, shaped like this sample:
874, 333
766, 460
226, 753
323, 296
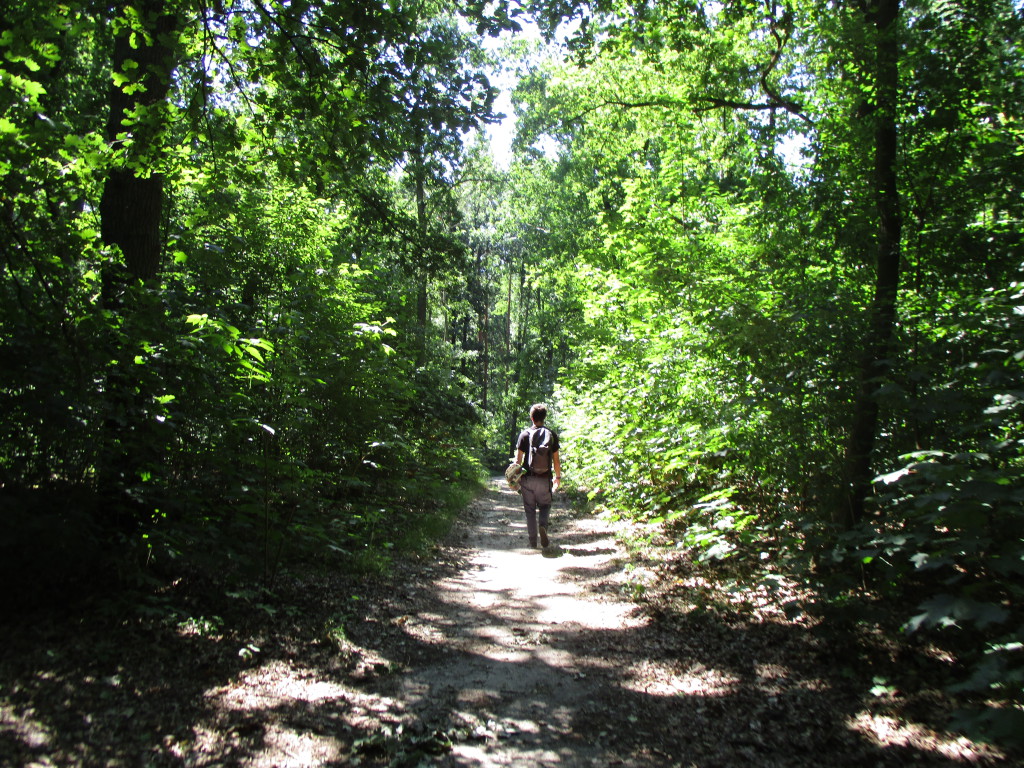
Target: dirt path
534, 659
487, 654
513, 665
493, 654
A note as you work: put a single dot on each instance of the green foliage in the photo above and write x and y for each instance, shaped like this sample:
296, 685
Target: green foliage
719, 527
719, 231
349, 311
403, 749
259, 402
952, 520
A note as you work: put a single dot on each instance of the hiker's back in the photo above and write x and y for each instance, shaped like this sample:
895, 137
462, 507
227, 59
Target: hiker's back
539, 460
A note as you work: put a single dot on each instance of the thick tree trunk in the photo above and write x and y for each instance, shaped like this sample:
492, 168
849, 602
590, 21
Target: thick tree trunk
130, 210
132, 201
875, 365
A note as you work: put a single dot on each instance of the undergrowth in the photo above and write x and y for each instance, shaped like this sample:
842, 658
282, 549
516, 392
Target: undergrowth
715, 558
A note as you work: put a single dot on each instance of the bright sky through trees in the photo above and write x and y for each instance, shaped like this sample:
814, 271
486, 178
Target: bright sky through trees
502, 134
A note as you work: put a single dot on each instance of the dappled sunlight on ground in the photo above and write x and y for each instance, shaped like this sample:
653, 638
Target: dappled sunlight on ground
27, 729
657, 680
541, 653
274, 684
488, 653
889, 732
507, 623
288, 742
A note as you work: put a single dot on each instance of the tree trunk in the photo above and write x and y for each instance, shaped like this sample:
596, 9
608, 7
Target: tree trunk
462, 337
524, 307
421, 273
876, 362
131, 208
508, 317
485, 358
132, 202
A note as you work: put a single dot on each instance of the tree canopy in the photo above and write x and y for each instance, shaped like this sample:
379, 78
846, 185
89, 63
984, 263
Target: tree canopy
266, 297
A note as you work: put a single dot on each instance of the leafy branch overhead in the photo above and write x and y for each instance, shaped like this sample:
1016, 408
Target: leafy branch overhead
271, 299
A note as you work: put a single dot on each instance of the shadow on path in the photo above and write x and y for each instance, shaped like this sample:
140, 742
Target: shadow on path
534, 654
490, 655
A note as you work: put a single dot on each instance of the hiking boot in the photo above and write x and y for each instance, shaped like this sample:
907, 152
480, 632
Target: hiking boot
543, 536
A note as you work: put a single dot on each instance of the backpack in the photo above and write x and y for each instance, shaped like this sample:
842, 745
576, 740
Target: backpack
539, 460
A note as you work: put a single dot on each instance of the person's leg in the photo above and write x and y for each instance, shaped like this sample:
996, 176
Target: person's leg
542, 521
531, 526
529, 490
543, 499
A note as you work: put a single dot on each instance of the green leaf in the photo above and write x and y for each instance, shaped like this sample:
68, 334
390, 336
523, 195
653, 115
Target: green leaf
948, 610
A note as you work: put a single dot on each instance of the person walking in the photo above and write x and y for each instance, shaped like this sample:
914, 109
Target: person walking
537, 453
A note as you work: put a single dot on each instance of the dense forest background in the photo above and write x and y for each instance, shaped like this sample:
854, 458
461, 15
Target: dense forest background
267, 300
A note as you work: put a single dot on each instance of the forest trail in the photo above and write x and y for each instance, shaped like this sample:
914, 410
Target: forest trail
519, 669
491, 654
530, 659
486, 653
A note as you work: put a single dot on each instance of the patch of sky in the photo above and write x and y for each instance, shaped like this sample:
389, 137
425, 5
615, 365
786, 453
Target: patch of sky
511, 50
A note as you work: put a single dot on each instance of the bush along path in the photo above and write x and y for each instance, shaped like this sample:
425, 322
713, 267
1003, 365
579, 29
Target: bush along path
486, 653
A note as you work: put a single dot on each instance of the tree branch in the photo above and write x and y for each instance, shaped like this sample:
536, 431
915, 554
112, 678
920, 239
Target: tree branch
699, 105
663, 103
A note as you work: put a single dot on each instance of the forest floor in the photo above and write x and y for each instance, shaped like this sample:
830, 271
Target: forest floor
487, 653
